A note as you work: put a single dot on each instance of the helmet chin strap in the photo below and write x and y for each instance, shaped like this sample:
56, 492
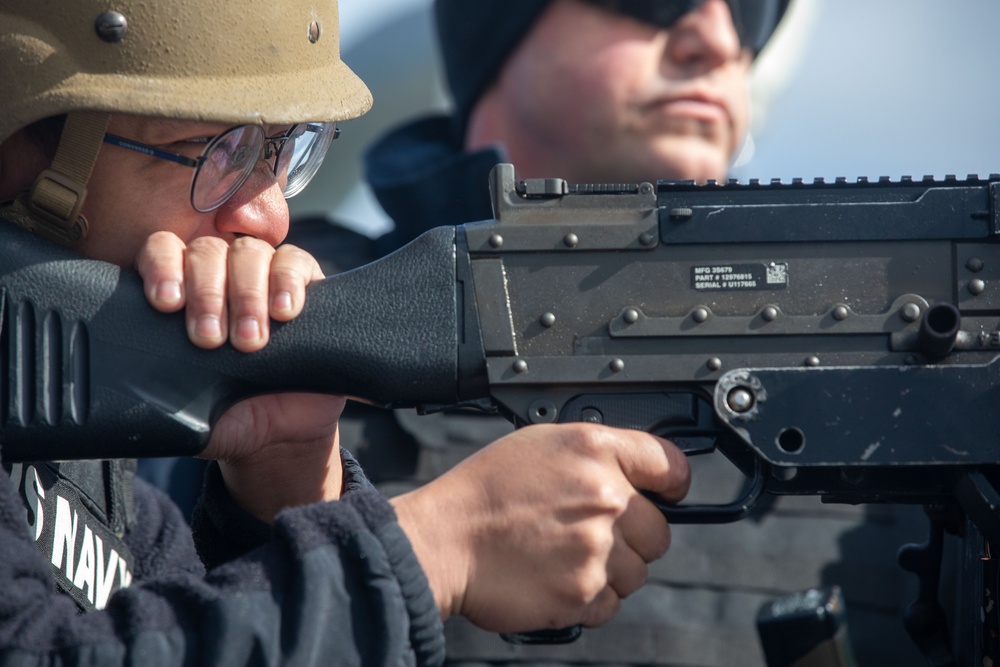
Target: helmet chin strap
58, 193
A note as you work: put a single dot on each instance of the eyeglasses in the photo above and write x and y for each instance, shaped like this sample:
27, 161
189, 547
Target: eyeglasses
229, 159
754, 20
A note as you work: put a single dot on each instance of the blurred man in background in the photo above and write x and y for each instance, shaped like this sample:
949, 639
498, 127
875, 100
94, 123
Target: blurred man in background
613, 91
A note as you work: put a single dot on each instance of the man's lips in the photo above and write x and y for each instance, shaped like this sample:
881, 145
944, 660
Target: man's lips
694, 107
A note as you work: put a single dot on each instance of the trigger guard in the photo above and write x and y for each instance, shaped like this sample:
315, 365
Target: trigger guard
679, 513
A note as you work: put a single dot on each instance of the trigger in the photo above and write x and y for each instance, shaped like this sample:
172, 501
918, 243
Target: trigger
693, 445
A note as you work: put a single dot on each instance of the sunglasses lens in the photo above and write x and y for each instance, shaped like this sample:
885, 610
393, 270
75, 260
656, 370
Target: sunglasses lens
228, 162
661, 13
754, 20
302, 154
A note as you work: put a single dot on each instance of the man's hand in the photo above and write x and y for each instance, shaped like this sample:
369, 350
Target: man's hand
228, 290
545, 528
277, 450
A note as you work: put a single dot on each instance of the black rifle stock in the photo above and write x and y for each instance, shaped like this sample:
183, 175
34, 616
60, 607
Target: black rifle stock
830, 338
93, 372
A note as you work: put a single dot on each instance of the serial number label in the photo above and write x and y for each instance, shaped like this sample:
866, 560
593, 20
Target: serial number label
763, 276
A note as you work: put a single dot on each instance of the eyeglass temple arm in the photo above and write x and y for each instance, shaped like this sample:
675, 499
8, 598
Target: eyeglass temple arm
151, 151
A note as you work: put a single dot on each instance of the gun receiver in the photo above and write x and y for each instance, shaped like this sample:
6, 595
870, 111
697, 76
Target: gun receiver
837, 339
842, 336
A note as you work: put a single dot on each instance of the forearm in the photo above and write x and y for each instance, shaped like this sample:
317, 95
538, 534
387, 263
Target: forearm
265, 487
280, 451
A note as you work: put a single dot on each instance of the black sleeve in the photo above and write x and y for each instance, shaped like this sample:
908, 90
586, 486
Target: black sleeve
334, 583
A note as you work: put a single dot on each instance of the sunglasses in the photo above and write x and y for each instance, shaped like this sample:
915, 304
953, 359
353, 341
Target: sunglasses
754, 20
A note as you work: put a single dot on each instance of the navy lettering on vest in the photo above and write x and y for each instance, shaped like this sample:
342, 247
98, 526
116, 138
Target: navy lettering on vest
72, 530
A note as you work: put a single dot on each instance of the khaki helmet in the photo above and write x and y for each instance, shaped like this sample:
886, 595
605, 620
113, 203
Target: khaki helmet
225, 61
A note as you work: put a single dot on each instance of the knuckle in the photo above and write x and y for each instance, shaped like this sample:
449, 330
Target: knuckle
610, 499
633, 580
595, 546
603, 609
245, 300
584, 572
208, 245
588, 582
287, 276
250, 244
682, 474
161, 251
294, 253
293, 263
163, 240
208, 296
662, 544
676, 477
161, 235
241, 291
587, 440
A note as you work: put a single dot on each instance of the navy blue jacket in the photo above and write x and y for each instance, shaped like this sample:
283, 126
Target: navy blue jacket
423, 179
333, 583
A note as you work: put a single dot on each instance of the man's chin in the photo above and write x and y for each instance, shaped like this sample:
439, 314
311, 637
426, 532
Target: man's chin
686, 158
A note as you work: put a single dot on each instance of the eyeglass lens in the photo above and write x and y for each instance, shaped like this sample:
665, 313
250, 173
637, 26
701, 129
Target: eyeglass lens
305, 152
232, 156
227, 164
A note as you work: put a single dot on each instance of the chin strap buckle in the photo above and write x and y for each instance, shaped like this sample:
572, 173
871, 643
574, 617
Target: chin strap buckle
58, 193
55, 201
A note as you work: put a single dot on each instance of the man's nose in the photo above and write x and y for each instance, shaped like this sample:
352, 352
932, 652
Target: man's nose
705, 35
257, 209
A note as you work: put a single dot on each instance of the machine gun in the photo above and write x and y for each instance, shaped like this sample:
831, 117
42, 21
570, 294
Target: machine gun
829, 338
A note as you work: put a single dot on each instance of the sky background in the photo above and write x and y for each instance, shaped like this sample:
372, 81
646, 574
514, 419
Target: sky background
846, 88
882, 88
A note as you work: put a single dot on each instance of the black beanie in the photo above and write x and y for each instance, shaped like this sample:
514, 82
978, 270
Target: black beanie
476, 37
